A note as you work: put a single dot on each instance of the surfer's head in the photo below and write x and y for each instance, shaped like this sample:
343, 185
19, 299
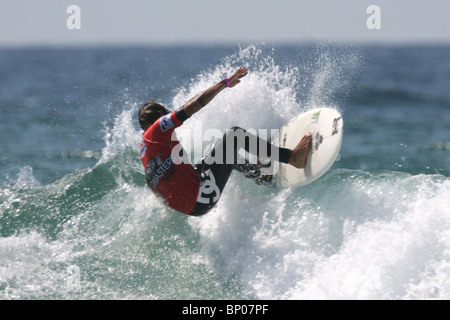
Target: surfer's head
149, 113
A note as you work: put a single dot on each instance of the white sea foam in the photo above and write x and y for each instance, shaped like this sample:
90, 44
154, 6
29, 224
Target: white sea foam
390, 239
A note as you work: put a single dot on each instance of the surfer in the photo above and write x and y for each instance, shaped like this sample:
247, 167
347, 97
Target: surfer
194, 190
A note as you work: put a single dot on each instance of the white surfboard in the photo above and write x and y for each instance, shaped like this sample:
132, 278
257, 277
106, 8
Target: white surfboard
326, 126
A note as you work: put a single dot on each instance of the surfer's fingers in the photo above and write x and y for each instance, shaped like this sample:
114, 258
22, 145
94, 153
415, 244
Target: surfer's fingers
242, 70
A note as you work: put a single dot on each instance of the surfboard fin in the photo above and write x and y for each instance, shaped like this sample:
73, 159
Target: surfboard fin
264, 179
254, 172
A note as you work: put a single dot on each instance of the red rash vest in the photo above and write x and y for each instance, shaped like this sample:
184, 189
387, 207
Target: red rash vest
173, 178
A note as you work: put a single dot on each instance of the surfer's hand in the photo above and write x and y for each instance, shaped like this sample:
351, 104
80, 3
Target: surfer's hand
239, 74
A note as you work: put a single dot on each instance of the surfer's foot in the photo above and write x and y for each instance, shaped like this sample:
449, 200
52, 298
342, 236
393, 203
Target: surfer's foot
300, 153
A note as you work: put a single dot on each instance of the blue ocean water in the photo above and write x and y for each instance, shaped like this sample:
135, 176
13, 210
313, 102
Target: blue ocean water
78, 222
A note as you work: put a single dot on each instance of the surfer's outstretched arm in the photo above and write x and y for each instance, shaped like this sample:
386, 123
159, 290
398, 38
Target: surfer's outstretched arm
202, 99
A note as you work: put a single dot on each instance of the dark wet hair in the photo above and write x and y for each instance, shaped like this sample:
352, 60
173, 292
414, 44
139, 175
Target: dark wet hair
149, 113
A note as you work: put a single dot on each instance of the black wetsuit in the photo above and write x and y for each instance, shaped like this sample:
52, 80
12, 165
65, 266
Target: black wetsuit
216, 166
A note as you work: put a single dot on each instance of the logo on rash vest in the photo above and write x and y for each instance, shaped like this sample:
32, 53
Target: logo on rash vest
157, 169
143, 149
209, 191
166, 122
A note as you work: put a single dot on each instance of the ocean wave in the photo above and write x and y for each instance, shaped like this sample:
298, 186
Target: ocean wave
350, 235
394, 96
99, 233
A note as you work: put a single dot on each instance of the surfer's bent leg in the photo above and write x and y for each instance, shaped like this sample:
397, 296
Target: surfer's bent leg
216, 166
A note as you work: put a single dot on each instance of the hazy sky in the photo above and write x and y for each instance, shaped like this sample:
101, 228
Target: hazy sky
29, 22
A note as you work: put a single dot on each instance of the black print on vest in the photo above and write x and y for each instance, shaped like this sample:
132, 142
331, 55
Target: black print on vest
158, 169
